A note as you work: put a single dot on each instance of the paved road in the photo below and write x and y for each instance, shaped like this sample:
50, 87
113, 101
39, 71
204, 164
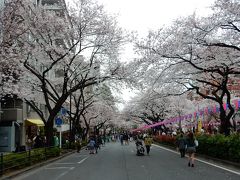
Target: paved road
116, 162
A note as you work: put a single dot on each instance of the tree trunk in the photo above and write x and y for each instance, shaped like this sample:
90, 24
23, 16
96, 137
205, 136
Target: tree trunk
225, 127
225, 122
86, 131
49, 133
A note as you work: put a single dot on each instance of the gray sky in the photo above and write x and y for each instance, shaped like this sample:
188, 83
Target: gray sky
144, 15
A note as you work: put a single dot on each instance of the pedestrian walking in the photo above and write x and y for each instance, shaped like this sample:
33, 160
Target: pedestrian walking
37, 141
148, 142
121, 139
29, 143
191, 149
181, 145
91, 146
56, 140
98, 142
125, 139
78, 144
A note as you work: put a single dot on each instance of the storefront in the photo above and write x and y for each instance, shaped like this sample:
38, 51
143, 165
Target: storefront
33, 127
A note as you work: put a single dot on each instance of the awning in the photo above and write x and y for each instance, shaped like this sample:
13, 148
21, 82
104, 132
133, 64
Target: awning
34, 122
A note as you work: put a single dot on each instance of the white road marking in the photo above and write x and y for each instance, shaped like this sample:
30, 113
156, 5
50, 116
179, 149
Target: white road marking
83, 160
62, 174
64, 163
60, 168
80, 155
211, 164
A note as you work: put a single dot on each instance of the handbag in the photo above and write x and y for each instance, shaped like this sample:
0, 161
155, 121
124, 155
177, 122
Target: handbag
196, 142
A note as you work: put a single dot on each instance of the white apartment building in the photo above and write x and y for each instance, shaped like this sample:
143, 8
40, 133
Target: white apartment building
17, 117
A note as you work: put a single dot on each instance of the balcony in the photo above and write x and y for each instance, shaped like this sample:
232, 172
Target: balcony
12, 114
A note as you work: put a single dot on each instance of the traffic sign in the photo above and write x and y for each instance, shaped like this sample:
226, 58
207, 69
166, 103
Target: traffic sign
58, 121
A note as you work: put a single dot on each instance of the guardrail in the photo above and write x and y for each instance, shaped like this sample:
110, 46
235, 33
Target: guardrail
19, 160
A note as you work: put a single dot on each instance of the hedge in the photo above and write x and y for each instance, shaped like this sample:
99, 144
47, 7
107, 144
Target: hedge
217, 146
13, 161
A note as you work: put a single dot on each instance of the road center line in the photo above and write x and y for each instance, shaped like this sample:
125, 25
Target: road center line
83, 160
211, 164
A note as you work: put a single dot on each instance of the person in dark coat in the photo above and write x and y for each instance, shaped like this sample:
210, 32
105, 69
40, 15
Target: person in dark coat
181, 144
78, 145
37, 142
191, 149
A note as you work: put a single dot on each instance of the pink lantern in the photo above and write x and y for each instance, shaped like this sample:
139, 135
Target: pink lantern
195, 114
224, 106
206, 110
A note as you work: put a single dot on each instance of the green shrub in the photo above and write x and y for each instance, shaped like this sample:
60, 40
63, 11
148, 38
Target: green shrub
15, 160
23, 159
84, 142
218, 146
234, 147
53, 152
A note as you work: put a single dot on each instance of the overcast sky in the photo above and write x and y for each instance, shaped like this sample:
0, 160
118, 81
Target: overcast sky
144, 15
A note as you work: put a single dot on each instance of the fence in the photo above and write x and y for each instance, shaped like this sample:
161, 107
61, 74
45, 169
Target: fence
15, 161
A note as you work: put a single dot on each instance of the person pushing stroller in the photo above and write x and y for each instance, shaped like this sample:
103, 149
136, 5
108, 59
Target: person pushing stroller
139, 147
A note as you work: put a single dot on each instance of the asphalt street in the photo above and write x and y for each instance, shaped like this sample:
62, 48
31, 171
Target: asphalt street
117, 162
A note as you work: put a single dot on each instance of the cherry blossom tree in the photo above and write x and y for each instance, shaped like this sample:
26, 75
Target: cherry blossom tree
196, 54
78, 43
10, 68
97, 116
148, 107
92, 107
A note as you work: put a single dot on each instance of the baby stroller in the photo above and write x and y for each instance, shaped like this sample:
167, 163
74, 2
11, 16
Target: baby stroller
140, 148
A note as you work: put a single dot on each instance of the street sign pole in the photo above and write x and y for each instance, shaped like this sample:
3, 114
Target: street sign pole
60, 137
59, 122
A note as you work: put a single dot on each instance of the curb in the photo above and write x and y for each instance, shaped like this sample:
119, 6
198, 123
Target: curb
21, 171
